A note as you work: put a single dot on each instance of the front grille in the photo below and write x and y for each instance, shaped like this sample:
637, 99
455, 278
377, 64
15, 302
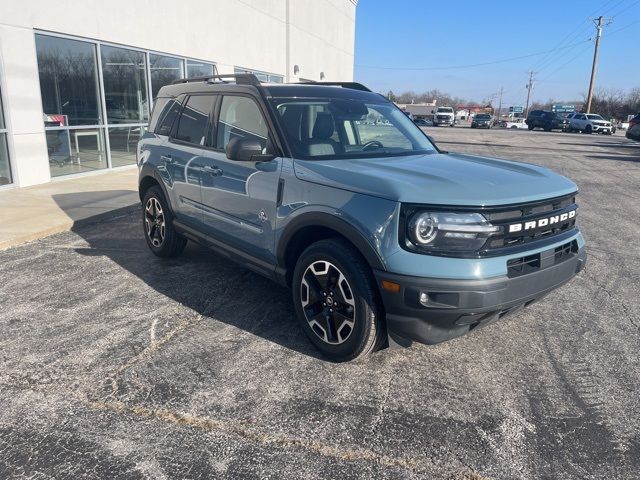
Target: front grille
530, 213
517, 267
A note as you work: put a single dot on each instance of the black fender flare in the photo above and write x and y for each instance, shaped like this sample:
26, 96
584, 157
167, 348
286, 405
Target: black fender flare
333, 222
147, 171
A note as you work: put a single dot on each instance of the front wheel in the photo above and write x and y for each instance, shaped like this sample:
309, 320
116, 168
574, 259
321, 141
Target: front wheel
157, 219
588, 129
530, 127
336, 301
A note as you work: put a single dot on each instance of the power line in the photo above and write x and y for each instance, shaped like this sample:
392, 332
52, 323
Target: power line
624, 9
623, 28
571, 35
565, 64
452, 67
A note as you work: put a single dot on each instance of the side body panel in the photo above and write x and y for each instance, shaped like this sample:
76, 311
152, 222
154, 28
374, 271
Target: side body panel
239, 202
179, 168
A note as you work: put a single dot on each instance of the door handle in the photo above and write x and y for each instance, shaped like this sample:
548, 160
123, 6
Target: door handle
166, 158
215, 171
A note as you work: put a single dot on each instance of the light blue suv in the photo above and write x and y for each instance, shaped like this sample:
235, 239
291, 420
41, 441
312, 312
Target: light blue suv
332, 190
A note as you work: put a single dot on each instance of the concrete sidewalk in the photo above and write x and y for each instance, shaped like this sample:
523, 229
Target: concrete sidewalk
33, 212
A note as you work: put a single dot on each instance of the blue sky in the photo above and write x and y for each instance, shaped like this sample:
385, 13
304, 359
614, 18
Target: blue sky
430, 35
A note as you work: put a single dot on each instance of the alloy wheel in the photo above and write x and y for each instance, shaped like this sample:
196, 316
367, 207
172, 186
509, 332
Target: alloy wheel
328, 302
154, 221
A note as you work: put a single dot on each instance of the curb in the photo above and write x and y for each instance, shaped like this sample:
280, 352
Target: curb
69, 226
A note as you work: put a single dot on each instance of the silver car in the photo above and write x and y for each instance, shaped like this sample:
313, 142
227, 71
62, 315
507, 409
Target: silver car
589, 123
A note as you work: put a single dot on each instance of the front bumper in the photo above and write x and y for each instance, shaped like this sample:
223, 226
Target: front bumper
454, 307
601, 129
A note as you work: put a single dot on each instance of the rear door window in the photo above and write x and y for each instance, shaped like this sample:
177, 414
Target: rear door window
192, 127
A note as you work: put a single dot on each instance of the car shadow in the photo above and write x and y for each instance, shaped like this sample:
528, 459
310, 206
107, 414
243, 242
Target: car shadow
207, 283
621, 157
622, 143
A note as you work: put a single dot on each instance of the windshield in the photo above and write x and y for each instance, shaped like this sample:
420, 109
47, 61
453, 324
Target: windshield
346, 128
483, 116
445, 110
594, 117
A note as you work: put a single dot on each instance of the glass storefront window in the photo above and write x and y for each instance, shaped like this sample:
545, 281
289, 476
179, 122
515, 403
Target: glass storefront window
5, 166
125, 85
262, 76
76, 150
199, 69
73, 84
68, 81
123, 142
2, 127
164, 70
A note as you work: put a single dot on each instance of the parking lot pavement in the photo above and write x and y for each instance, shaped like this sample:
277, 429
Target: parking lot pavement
116, 364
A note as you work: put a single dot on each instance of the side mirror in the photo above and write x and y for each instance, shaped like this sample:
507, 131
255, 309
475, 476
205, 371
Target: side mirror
246, 150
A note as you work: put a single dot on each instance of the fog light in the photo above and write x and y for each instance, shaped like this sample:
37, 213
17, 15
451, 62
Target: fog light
424, 299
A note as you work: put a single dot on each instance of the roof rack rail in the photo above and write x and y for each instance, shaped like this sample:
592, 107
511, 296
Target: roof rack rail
351, 85
240, 79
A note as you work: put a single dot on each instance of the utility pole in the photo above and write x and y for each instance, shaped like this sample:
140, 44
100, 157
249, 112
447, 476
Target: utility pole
594, 67
500, 103
529, 86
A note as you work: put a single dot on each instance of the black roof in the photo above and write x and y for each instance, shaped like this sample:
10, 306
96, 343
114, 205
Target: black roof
310, 90
249, 83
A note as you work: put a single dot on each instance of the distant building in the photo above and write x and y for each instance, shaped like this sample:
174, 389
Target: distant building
78, 79
419, 110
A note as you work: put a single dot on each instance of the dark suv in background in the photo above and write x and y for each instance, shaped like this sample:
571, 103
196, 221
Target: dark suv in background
546, 120
633, 132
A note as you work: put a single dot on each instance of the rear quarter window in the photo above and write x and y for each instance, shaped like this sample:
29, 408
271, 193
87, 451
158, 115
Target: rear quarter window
165, 112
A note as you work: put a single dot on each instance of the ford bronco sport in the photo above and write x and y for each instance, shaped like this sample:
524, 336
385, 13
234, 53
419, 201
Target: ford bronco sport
332, 190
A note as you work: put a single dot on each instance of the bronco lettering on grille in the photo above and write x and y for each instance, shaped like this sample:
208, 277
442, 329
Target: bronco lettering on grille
542, 222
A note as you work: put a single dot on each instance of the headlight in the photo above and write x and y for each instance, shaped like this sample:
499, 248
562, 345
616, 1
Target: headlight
443, 231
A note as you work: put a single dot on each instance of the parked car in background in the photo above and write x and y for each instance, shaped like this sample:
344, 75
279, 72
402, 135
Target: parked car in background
444, 116
633, 132
482, 120
515, 123
423, 122
546, 120
589, 123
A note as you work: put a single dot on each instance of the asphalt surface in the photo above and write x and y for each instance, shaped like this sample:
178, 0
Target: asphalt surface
116, 364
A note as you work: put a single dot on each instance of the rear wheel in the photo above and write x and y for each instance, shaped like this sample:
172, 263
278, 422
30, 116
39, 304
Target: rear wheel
336, 300
157, 220
530, 127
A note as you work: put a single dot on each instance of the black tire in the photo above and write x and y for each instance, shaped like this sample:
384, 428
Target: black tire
357, 301
162, 238
513, 126
588, 130
530, 127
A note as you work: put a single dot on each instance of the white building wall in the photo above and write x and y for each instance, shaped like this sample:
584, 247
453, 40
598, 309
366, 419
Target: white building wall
267, 35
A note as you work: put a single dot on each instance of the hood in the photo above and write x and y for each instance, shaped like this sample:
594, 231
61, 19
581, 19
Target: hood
438, 179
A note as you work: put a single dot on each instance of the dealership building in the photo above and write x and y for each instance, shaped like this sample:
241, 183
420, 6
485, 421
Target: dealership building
78, 78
